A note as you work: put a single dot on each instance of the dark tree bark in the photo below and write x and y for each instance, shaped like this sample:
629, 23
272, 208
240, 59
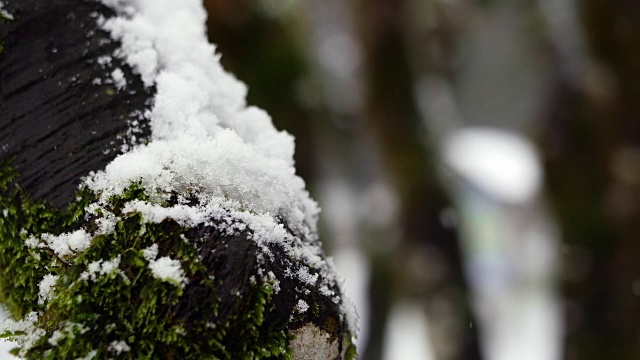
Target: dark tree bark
62, 117
55, 121
592, 149
392, 115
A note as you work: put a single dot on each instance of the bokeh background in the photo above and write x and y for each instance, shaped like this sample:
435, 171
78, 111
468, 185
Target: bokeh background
477, 162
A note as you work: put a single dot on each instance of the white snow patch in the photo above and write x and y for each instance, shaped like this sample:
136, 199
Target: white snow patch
4, 13
118, 79
68, 243
27, 326
118, 347
150, 253
302, 306
5, 345
101, 267
249, 163
32, 242
206, 144
46, 288
167, 269
306, 277
55, 337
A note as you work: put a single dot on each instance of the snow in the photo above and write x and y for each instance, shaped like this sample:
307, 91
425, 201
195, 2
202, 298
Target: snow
32, 333
204, 135
118, 79
151, 252
118, 347
499, 162
167, 269
302, 306
46, 288
68, 243
5, 345
101, 267
4, 13
306, 277
206, 144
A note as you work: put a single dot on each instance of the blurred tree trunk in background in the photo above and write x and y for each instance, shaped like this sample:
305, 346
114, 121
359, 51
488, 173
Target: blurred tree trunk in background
428, 265
592, 154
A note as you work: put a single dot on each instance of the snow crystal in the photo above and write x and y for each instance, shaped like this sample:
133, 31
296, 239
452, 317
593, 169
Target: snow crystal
46, 288
118, 347
55, 337
302, 306
151, 252
68, 243
101, 267
4, 13
306, 277
104, 60
118, 79
276, 283
167, 269
32, 242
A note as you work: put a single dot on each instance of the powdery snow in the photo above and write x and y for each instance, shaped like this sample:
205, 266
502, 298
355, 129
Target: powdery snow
46, 288
68, 243
150, 253
205, 137
167, 269
118, 347
206, 142
302, 306
102, 267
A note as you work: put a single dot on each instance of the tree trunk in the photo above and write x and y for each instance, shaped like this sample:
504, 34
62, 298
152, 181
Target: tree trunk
70, 103
392, 115
592, 148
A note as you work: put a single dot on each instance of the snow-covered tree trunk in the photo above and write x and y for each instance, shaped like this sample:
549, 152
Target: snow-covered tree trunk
147, 211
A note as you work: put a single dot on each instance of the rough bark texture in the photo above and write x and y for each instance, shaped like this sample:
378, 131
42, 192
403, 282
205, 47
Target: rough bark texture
55, 121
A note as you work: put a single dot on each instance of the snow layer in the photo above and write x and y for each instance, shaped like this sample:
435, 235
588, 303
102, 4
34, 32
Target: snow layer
206, 144
46, 288
167, 269
68, 243
204, 136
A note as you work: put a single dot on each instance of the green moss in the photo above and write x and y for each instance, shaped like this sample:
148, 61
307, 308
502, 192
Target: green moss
91, 312
350, 353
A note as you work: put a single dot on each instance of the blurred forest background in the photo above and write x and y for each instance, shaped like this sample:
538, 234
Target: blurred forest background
477, 161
